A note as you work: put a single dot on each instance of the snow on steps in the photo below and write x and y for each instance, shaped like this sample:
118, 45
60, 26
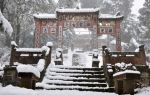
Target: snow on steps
74, 78
66, 78
80, 88
77, 75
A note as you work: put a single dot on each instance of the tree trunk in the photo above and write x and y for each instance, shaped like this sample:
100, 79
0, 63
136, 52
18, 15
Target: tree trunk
2, 5
17, 31
8, 40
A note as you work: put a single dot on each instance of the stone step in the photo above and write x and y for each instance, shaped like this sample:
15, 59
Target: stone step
102, 80
78, 75
75, 71
72, 87
87, 84
74, 78
79, 68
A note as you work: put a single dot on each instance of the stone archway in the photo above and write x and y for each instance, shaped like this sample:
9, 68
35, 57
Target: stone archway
77, 18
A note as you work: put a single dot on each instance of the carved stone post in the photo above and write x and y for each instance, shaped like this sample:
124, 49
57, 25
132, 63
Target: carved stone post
13, 51
49, 45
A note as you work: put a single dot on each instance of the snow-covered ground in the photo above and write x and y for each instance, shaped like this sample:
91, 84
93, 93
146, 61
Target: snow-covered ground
12, 90
86, 60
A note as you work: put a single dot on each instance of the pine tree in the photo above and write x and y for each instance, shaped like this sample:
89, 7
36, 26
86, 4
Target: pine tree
20, 14
90, 3
66, 3
144, 18
129, 26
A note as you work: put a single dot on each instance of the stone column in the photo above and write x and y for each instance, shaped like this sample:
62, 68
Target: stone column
118, 36
13, 51
38, 30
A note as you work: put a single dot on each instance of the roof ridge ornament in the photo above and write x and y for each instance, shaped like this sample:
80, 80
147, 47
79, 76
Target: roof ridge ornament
118, 13
78, 4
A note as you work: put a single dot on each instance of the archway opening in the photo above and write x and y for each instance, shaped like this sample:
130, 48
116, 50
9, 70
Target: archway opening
107, 40
79, 38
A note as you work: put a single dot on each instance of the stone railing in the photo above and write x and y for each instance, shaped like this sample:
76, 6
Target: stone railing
30, 61
138, 59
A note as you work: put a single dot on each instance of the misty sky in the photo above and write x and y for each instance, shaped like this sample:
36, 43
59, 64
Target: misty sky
137, 5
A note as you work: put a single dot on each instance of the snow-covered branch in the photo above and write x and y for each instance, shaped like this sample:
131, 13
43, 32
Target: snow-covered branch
6, 25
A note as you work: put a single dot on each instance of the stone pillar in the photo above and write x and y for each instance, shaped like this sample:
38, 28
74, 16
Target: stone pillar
37, 38
49, 45
13, 51
95, 36
60, 36
59, 57
118, 36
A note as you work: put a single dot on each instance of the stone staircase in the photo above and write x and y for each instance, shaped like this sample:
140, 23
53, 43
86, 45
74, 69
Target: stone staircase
74, 78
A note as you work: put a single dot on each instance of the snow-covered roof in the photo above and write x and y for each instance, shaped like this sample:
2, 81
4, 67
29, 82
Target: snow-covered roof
82, 10
28, 69
109, 16
45, 16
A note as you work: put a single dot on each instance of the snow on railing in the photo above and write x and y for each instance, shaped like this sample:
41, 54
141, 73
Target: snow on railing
41, 65
126, 72
28, 69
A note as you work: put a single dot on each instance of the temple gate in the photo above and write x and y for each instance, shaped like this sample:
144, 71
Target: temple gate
53, 25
